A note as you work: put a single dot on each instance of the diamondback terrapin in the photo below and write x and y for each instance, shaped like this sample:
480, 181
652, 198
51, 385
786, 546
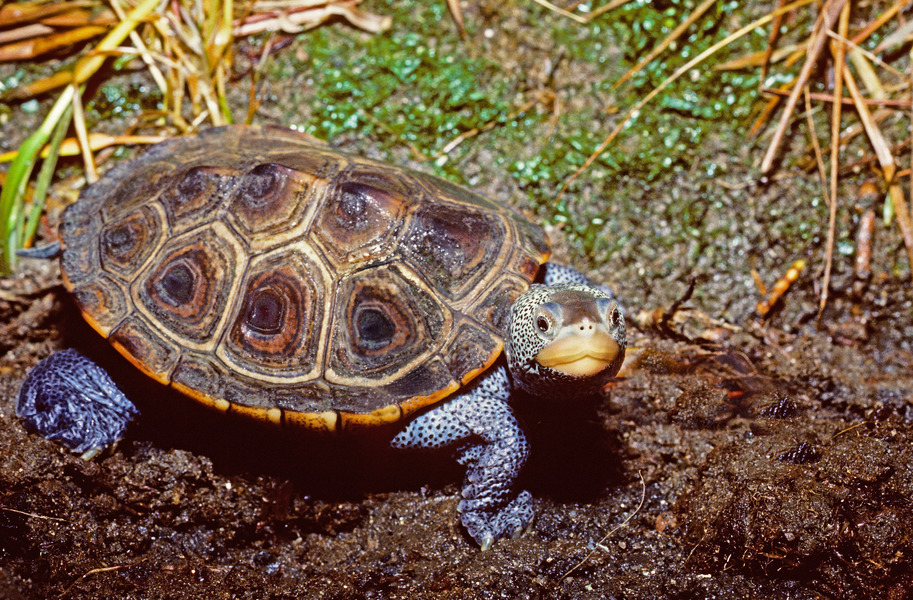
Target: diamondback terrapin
263, 274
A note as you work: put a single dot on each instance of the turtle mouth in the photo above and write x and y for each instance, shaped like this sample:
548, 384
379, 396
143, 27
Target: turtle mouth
580, 355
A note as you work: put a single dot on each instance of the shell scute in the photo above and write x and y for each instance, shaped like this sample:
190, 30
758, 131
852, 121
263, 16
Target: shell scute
79, 226
454, 246
278, 321
360, 215
385, 322
465, 353
125, 244
139, 341
200, 195
186, 290
200, 377
269, 199
105, 300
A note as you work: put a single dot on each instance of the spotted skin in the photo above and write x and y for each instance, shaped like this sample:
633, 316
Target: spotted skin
481, 427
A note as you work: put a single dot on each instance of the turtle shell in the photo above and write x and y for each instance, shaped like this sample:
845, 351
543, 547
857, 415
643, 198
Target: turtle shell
261, 273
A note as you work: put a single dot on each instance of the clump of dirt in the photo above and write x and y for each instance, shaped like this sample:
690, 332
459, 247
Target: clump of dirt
830, 508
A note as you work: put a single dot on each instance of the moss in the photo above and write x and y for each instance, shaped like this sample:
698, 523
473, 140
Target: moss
118, 99
13, 80
402, 84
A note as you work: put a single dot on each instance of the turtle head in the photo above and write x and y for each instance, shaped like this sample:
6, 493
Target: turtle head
567, 338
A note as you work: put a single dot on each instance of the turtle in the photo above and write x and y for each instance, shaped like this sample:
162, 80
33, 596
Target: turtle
261, 273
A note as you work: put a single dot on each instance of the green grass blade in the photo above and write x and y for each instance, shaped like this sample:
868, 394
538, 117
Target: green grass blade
12, 197
43, 181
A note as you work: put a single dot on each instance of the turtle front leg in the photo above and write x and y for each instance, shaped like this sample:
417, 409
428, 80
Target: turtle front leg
68, 398
488, 440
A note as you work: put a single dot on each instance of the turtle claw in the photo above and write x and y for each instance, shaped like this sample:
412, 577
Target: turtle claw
91, 453
488, 526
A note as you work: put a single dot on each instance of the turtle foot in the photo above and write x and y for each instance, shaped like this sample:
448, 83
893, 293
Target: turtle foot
68, 398
487, 526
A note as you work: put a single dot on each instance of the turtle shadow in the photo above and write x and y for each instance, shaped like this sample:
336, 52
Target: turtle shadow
334, 467
326, 466
574, 457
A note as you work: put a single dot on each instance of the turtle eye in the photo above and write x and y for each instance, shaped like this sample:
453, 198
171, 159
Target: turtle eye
611, 312
618, 319
548, 320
